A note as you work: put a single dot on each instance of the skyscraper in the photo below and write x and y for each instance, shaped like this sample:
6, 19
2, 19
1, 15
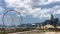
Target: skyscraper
52, 17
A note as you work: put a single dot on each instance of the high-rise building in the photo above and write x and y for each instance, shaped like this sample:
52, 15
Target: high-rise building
52, 17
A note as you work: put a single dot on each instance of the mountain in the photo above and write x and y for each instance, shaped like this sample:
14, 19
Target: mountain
3, 26
11, 26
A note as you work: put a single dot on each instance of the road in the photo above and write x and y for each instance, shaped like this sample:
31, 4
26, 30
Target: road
39, 33
34, 32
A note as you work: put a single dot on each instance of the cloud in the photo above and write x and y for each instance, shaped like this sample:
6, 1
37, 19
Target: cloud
57, 11
28, 3
1, 0
1, 16
42, 2
15, 3
41, 13
25, 7
1, 9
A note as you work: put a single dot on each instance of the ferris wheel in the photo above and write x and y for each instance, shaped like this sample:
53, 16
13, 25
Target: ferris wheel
11, 19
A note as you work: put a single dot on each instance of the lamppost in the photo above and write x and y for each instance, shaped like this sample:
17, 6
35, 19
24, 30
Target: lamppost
12, 19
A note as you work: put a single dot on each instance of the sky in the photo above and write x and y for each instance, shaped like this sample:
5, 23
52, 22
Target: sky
32, 11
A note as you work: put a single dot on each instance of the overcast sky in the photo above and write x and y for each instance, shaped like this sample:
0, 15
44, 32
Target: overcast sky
32, 11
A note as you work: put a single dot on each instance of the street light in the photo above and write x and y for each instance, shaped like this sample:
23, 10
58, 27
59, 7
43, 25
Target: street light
5, 14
